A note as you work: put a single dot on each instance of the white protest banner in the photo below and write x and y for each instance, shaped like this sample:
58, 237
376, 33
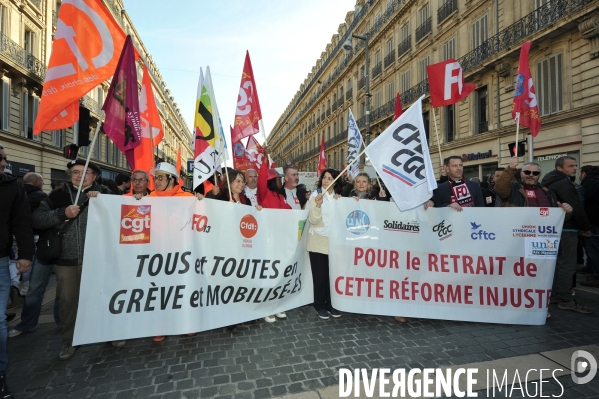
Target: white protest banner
165, 266
484, 265
400, 156
310, 179
354, 145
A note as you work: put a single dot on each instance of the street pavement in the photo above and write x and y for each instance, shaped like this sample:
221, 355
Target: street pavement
298, 357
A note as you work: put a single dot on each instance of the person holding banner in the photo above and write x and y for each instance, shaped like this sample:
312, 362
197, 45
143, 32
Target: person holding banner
251, 185
320, 218
52, 213
361, 189
166, 182
139, 184
269, 187
456, 192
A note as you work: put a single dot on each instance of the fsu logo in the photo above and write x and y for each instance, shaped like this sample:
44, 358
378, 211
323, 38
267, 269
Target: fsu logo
135, 224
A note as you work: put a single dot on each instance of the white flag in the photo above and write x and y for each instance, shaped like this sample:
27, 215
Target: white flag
354, 143
400, 156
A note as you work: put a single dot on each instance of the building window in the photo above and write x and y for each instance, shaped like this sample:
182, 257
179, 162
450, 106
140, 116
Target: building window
423, 15
107, 144
479, 31
406, 81
390, 91
5, 104
549, 78
449, 49
97, 148
341, 124
482, 120
426, 121
3, 20
449, 123
58, 138
390, 46
29, 42
341, 159
378, 99
405, 31
422, 64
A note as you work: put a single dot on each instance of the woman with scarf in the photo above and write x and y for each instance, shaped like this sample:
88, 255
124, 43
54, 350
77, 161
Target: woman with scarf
320, 218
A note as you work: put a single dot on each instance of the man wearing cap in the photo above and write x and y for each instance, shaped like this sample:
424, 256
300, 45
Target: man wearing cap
52, 213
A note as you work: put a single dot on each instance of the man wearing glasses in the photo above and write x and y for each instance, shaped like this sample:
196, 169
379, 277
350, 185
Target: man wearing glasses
139, 184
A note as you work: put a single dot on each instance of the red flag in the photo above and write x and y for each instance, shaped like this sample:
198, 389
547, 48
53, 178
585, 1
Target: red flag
398, 110
122, 123
251, 157
85, 52
322, 159
248, 111
446, 83
525, 99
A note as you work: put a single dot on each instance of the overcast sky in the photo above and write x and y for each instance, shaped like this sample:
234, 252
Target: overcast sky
284, 38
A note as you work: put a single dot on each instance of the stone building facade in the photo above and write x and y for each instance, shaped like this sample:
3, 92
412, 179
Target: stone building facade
27, 29
485, 36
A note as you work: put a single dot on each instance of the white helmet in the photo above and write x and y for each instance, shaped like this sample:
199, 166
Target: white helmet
165, 167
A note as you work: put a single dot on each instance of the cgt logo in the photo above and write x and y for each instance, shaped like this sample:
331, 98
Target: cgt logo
544, 212
480, 234
135, 224
248, 226
199, 223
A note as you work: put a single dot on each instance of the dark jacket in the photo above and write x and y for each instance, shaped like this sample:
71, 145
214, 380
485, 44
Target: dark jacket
222, 196
15, 218
51, 213
442, 195
301, 195
349, 191
590, 189
35, 196
512, 192
565, 192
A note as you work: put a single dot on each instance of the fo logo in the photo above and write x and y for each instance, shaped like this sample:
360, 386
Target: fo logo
357, 222
135, 224
248, 226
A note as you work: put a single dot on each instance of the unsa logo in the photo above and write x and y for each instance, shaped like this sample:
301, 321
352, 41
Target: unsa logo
248, 226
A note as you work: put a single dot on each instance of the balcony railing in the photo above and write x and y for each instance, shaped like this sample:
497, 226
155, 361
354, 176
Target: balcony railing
424, 29
23, 58
361, 82
390, 58
376, 71
414, 92
348, 94
385, 110
91, 104
483, 127
448, 8
328, 112
515, 33
404, 46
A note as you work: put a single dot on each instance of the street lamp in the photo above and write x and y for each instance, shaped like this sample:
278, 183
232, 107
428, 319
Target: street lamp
347, 46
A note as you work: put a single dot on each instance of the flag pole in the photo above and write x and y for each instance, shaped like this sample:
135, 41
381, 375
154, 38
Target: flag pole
517, 132
90, 152
346, 168
437, 134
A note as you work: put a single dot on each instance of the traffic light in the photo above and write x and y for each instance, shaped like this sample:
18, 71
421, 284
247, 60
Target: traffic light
521, 148
70, 151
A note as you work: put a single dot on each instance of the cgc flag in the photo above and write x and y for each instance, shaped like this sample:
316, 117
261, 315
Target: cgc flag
85, 52
446, 83
209, 144
400, 156
247, 113
525, 99
354, 144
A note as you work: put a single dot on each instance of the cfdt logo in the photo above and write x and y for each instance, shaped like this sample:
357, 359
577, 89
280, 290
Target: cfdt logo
479, 234
544, 212
357, 222
199, 223
248, 226
135, 224
443, 230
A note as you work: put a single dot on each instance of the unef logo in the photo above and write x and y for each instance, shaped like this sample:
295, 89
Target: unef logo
544, 212
199, 223
135, 224
248, 226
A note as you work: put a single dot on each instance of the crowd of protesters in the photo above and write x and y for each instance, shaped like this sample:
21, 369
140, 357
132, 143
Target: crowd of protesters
27, 212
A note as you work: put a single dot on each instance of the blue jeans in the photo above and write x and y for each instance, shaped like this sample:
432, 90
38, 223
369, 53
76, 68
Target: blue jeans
4, 294
40, 275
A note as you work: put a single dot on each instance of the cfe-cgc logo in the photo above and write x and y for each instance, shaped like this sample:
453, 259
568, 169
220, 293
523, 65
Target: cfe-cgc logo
248, 228
443, 230
135, 224
357, 222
